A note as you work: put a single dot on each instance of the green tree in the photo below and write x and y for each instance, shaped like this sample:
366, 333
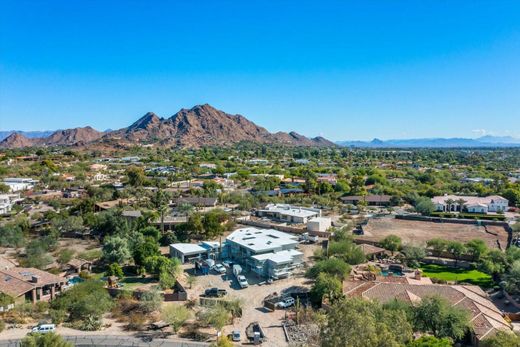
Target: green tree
360, 323
391, 243
502, 339
86, 299
175, 315
436, 316
115, 269
424, 206
116, 250
217, 316
145, 249
136, 176
476, 249
151, 300
331, 266
413, 255
326, 286
456, 249
65, 255
431, 341
437, 245
44, 340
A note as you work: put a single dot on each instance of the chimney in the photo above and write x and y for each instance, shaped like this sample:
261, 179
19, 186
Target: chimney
35, 279
418, 275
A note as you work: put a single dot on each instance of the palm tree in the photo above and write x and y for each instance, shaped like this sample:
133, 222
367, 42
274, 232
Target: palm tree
461, 203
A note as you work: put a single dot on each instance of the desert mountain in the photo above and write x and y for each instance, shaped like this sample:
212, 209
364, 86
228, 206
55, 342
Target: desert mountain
68, 137
16, 140
71, 137
201, 125
205, 125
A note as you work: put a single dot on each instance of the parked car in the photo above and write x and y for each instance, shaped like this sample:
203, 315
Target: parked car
285, 303
234, 336
220, 268
44, 328
215, 292
242, 281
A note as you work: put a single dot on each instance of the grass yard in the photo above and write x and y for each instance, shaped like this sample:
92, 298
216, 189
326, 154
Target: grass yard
447, 273
136, 282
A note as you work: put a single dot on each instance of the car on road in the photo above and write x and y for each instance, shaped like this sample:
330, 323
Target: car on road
215, 293
219, 268
285, 303
44, 328
242, 281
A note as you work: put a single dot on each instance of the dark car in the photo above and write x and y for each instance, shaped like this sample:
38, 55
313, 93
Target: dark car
215, 292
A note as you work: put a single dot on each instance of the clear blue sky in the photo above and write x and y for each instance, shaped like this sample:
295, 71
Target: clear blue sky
341, 69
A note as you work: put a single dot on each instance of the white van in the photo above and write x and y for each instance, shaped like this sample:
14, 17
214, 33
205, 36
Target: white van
44, 328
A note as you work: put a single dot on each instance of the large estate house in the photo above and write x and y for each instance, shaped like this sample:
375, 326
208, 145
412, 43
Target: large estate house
267, 252
472, 204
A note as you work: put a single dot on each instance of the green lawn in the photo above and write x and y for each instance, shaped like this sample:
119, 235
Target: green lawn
134, 282
455, 274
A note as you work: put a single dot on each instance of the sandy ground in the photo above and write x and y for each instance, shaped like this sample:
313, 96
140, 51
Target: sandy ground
418, 232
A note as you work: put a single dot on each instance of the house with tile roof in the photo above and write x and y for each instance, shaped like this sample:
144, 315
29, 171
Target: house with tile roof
29, 284
486, 318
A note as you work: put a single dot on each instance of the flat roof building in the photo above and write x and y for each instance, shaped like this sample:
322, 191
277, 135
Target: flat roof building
267, 252
288, 213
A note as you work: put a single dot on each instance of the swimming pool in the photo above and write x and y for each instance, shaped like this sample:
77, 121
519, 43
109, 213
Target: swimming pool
74, 280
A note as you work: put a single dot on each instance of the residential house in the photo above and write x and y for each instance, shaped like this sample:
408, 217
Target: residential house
267, 252
197, 201
7, 201
289, 214
30, 284
485, 317
188, 251
472, 204
371, 200
17, 184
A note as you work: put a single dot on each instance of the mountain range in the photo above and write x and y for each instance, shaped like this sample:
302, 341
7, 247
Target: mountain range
484, 141
202, 125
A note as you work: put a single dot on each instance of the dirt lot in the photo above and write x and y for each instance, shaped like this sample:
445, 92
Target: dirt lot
418, 232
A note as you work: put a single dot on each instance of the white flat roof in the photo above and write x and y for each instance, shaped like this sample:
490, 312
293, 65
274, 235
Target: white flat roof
290, 210
261, 239
188, 248
278, 257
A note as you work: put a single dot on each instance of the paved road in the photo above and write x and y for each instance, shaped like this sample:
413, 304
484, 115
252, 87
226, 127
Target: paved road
113, 341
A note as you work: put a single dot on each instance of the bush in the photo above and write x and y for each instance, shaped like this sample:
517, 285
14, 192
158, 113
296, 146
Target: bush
2, 325
58, 316
136, 321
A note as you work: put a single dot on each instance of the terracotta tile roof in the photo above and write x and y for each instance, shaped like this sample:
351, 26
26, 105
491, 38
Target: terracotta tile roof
485, 316
17, 281
13, 286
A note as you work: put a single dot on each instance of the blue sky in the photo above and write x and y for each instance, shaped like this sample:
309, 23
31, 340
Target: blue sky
341, 69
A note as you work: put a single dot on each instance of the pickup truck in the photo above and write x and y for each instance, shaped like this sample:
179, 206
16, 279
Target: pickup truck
286, 302
242, 281
215, 293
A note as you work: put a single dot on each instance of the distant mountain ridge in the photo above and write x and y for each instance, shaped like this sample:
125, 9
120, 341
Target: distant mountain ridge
28, 134
484, 141
202, 125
